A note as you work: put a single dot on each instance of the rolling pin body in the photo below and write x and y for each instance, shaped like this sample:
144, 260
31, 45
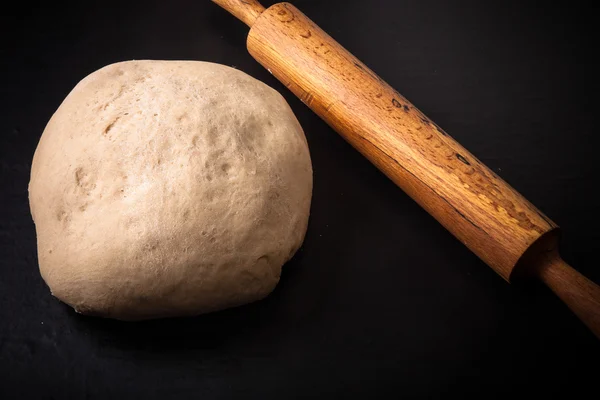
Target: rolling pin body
485, 213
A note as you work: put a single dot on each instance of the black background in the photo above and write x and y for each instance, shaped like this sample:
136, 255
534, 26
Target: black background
381, 300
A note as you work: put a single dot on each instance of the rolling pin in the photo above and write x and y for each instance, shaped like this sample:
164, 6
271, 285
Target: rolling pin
484, 212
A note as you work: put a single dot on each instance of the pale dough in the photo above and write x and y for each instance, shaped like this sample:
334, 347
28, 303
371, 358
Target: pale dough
168, 188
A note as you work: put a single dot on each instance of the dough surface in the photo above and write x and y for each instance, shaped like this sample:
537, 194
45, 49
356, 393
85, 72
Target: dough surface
168, 188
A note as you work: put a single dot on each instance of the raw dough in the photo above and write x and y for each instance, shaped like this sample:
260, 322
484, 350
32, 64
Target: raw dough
168, 188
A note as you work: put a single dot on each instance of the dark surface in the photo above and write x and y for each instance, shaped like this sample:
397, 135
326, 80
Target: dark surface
381, 300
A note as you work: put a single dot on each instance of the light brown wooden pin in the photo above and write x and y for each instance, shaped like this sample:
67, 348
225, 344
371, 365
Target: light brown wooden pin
490, 217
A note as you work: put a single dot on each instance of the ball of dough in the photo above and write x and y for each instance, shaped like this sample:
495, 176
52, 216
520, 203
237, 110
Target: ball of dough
168, 188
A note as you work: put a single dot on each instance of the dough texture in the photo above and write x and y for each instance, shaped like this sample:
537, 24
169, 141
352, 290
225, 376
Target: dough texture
168, 188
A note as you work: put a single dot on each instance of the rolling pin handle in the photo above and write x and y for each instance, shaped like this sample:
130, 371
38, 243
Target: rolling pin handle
580, 294
246, 11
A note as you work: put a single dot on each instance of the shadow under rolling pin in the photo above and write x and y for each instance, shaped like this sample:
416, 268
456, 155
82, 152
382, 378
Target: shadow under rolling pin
485, 213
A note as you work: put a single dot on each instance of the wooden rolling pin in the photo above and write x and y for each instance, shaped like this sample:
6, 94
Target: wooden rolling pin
491, 218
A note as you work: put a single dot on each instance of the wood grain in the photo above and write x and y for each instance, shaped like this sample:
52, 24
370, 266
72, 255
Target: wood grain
470, 200
479, 208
